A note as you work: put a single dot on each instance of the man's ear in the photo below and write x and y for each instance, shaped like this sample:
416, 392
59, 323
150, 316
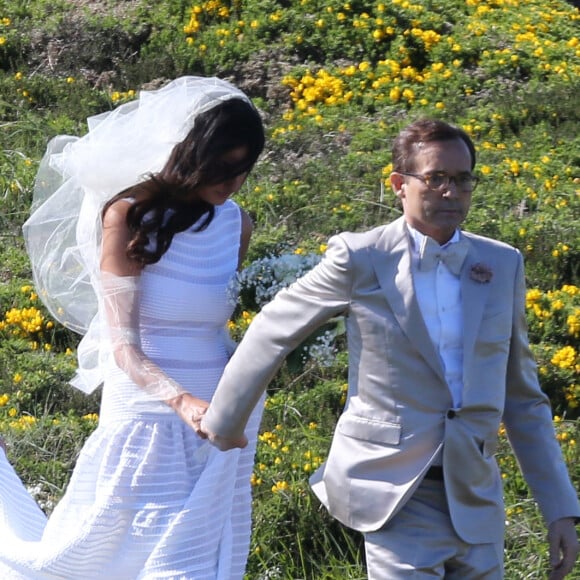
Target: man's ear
398, 183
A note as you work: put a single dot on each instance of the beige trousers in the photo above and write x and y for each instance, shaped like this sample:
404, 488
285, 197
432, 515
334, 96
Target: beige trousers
420, 543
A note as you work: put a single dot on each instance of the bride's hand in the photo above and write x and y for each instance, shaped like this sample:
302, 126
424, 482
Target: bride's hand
190, 409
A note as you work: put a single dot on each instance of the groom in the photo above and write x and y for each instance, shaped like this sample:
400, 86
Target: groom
438, 358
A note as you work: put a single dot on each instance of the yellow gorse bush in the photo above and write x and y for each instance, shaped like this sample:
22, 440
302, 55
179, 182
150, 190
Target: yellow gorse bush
566, 358
554, 311
21, 423
554, 325
23, 321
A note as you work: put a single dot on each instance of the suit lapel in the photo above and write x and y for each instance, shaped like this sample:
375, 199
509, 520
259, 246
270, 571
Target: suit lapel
473, 298
391, 260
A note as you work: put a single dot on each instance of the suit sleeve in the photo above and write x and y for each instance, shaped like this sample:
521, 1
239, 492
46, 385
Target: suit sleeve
529, 425
278, 329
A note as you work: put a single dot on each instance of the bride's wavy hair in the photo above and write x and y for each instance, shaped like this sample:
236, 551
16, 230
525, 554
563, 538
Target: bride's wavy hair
165, 203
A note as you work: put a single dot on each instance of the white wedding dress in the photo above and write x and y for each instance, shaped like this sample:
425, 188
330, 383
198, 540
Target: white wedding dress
148, 498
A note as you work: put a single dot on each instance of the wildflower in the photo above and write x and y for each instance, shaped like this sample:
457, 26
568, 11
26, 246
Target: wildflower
280, 486
573, 322
91, 417
265, 277
565, 358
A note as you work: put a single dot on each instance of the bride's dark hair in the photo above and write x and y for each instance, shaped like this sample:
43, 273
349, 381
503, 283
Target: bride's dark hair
165, 204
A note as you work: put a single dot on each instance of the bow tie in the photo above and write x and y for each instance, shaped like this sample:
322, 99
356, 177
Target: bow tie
431, 253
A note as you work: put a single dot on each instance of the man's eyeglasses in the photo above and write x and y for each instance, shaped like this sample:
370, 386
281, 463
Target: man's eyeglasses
439, 180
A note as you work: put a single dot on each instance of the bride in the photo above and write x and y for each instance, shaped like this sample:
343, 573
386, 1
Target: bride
134, 240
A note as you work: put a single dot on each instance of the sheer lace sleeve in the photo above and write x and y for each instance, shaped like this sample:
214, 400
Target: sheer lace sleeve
121, 312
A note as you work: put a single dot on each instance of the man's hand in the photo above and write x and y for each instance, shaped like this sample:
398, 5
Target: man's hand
190, 409
564, 547
223, 443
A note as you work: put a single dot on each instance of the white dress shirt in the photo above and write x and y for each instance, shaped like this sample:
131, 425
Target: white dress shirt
438, 293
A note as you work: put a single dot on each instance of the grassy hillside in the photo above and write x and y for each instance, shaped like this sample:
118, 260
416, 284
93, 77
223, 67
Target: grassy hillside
335, 81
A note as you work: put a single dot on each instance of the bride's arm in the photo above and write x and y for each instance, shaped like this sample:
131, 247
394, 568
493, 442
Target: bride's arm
120, 291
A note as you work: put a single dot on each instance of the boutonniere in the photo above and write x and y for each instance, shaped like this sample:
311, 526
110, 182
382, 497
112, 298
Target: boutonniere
481, 273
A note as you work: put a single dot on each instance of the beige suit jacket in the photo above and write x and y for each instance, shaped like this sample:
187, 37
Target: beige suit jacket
398, 414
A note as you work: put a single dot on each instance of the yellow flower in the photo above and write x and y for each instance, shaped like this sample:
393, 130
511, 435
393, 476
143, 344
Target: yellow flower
395, 94
565, 358
255, 480
91, 417
573, 322
280, 486
533, 295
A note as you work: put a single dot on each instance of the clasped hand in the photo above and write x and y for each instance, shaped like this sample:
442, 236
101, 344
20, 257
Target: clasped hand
223, 443
191, 410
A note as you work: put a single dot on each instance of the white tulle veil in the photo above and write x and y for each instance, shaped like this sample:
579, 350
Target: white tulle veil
77, 176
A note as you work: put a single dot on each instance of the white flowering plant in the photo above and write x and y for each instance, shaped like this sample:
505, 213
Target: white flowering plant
264, 278
259, 283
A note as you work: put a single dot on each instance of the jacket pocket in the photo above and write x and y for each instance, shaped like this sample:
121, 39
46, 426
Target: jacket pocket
489, 447
368, 429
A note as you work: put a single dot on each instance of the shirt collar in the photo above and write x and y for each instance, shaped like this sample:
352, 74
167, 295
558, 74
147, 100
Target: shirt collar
417, 238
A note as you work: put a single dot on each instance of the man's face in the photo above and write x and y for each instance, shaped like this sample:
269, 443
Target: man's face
435, 213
